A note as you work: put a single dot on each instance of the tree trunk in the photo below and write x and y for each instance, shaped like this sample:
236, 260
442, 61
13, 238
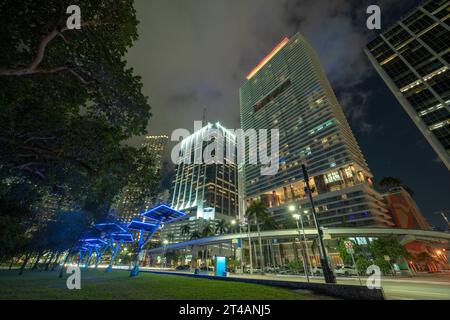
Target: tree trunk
47, 263
64, 263
36, 263
260, 246
24, 263
48, 257
55, 262
11, 264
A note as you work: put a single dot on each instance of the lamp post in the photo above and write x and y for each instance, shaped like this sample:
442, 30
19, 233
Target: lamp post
298, 217
445, 218
233, 223
250, 247
327, 273
165, 242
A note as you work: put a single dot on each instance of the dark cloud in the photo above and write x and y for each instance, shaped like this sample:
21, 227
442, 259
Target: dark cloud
356, 106
196, 53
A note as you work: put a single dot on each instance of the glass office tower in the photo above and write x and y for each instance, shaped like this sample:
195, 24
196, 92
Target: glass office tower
413, 59
288, 91
207, 192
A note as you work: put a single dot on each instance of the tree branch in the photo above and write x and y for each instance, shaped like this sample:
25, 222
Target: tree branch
33, 67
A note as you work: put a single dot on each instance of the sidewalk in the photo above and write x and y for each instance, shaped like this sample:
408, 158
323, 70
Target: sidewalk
433, 278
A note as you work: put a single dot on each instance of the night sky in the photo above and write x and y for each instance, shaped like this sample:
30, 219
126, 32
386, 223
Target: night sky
196, 53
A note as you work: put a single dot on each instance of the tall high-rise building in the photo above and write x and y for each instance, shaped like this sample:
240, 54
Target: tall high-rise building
205, 191
126, 204
413, 59
289, 91
156, 145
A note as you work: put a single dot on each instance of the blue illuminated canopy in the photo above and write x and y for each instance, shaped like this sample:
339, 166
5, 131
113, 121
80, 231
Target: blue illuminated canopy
140, 225
110, 227
92, 242
163, 214
124, 237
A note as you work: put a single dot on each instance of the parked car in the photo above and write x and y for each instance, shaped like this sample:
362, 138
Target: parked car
209, 268
183, 267
317, 271
271, 270
346, 271
255, 270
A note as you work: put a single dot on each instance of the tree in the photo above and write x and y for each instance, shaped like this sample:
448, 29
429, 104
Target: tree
389, 246
170, 237
185, 230
69, 103
221, 227
195, 235
362, 263
207, 230
258, 212
391, 182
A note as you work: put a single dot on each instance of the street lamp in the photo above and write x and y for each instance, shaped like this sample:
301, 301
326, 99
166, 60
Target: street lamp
165, 243
298, 217
328, 274
233, 223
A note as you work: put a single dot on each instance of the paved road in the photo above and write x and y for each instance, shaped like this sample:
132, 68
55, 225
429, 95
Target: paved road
421, 287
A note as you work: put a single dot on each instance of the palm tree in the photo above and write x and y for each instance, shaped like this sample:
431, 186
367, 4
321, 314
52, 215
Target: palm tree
392, 182
170, 237
258, 212
195, 235
222, 227
185, 230
207, 230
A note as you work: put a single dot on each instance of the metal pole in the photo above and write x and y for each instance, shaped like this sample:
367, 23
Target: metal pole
250, 248
242, 247
445, 218
306, 242
303, 251
328, 274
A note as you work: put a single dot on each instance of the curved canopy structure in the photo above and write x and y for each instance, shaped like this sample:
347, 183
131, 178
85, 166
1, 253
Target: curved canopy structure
163, 214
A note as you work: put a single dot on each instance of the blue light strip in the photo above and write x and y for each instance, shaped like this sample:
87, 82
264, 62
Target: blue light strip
163, 213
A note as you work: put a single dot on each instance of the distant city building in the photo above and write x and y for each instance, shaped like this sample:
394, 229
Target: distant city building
156, 145
413, 59
204, 191
404, 210
289, 91
126, 205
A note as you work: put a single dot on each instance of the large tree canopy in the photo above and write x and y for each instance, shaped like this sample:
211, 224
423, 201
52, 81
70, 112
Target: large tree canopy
69, 103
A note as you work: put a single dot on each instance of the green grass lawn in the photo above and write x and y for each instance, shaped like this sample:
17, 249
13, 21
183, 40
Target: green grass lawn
118, 285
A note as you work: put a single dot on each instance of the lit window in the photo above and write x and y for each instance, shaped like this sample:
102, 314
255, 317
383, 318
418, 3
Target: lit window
348, 172
332, 177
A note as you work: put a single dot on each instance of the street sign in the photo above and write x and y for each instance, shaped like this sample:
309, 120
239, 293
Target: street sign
348, 245
387, 258
350, 251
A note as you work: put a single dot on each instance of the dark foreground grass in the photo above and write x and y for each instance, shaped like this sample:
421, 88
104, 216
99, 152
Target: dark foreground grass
118, 285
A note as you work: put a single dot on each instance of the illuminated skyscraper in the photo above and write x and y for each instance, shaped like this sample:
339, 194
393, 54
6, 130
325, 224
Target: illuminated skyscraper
156, 145
288, 91
413, 59
207, 192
